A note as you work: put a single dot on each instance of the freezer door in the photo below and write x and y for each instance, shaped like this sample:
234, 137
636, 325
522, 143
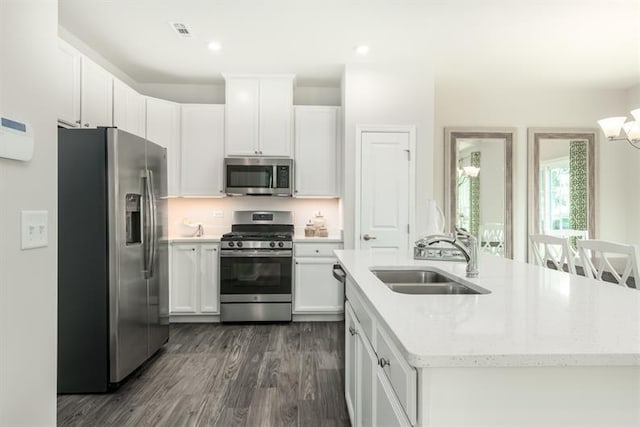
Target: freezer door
128, 346
158, 280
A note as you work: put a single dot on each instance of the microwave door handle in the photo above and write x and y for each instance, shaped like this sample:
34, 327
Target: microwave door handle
274, 171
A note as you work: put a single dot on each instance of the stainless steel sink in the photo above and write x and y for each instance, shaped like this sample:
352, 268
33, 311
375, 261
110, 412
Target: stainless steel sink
425, 282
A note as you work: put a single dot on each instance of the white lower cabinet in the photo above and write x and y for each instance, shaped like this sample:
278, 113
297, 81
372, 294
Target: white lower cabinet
316, 291
379, 390
194, 279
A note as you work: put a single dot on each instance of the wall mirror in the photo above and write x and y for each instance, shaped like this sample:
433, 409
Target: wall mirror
562, 182
478, 186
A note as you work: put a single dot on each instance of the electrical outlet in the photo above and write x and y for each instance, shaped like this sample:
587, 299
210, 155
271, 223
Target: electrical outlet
35, 229
218, 214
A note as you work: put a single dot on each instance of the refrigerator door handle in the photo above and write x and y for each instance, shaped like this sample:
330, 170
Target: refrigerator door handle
148, 228
154, 222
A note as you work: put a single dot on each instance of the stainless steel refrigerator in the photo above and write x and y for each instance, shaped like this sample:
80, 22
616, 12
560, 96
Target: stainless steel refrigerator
113, 297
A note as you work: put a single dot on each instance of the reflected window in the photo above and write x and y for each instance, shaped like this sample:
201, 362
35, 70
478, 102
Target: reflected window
555, 194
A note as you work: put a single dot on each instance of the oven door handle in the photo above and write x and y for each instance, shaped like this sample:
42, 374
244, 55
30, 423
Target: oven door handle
339, 273
254, 254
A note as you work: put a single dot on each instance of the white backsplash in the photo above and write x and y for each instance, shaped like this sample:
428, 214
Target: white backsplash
203, 210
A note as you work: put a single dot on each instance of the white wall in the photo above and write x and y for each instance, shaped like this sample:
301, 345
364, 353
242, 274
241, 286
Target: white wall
532, 105
388, 94
28, 279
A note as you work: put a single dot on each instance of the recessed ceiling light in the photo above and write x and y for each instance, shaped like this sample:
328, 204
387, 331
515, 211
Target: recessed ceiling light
214, 46
362, 49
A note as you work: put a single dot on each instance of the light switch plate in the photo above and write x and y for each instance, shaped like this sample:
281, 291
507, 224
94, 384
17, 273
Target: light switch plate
35, 229
218, 213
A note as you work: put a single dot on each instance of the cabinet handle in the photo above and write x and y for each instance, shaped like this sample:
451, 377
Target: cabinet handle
261, 152
86, 125
352, 330
317, 251
193, 249
383, 362
78, 122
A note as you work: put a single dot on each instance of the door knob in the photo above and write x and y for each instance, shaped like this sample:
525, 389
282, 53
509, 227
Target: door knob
367, 237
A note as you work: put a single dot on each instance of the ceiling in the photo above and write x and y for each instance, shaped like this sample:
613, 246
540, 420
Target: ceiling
586, 43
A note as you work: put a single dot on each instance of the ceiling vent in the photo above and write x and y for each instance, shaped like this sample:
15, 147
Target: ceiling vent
181, 30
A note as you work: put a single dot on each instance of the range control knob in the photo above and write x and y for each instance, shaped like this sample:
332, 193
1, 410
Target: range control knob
272, 244
231, 244
239, 244
280, 244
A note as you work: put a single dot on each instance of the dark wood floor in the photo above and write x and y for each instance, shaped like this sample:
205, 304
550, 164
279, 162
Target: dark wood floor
228, 375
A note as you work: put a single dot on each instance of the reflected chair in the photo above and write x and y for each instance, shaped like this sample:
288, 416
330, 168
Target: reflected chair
597, 257
552, 252
492, 238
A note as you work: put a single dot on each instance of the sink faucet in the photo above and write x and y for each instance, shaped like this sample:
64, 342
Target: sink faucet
462, 240
199, 231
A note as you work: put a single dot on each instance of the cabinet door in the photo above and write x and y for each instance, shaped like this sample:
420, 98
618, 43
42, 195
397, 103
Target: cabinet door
202, 150
68, 85
350, 331
241, 123
366, 363
209, 287
184, 278
128, 109
316, 151
163, 128
388, 411
276, 104
97, 96
316, 290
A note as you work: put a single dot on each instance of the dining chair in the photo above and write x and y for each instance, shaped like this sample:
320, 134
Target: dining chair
552, 252
596, 257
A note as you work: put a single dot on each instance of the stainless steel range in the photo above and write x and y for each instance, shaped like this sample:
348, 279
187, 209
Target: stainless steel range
256, 267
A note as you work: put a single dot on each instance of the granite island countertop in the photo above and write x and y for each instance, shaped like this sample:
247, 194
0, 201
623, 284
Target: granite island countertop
532, 317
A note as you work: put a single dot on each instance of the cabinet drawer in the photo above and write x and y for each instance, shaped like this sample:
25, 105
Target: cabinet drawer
403, 378
362, 314
316, 249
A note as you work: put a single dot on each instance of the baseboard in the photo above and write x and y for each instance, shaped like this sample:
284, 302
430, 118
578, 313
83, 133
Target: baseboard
195, 318
332, 317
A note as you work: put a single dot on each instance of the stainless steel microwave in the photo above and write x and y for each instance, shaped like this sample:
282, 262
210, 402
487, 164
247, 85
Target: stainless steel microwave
257, 176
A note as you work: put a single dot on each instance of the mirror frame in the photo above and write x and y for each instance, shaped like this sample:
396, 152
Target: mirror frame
534, 135
451, 174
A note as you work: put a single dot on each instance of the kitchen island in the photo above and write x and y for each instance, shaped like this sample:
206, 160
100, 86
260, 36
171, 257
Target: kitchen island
542, 348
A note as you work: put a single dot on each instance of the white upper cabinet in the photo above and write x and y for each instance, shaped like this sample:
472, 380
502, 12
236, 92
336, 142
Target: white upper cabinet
129, 109
259, 115
276, 110
316, 151
97, 96
202, 150
242, 125
68, 85
163, 128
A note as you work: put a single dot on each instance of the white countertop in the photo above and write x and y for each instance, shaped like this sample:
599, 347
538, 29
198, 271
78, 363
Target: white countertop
203, 239
532, 317
333, 238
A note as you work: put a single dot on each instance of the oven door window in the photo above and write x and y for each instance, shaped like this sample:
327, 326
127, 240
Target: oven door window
255, 275
249, 176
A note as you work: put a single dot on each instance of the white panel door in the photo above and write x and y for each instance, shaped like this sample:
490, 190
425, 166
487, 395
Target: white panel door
202, 150
129, 109
242, 122
68, 85
97, 96
185, 276
316, 290
209, 290
388, 411
163, 128
366, 363
350, 331
276, 111
316, 151
384, 210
